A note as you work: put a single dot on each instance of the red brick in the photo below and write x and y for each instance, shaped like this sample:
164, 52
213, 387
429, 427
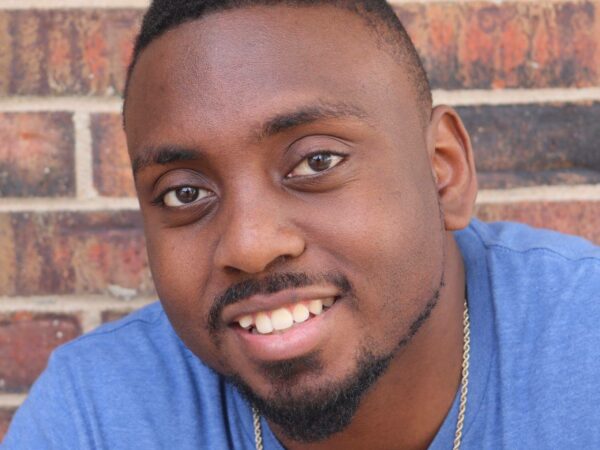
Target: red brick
526, 145
36, 154
26, 340
578, 217
511, 44
464, 45
112, 169
5, 53
65, 52
72, 253
5, 418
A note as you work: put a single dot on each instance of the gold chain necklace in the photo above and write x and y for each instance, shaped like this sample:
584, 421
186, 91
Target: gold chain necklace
464, 389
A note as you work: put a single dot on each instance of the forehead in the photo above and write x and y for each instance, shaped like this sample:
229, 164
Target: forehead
225, 73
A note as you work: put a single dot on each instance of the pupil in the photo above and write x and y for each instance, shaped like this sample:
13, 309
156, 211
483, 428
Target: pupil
319, 162
186, 194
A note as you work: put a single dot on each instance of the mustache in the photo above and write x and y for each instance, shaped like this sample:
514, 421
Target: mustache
270, 285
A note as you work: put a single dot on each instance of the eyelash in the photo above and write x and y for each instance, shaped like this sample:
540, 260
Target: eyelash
319, 152
160, 198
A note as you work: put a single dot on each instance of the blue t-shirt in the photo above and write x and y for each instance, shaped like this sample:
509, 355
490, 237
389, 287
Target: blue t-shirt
534, 379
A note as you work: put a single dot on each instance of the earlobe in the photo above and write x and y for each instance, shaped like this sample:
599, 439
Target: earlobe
451, 157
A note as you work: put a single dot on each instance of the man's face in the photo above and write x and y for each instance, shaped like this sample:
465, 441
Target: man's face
282, 160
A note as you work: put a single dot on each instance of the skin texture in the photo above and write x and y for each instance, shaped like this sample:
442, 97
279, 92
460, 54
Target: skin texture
382, 217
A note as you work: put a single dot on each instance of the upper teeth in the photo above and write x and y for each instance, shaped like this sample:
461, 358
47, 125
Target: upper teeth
279, 319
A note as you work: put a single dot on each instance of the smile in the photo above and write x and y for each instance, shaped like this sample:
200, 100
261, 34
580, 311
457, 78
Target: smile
285, 317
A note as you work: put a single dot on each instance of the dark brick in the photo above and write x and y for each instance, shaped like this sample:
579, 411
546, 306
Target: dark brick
36, 154
112, 169
5, 418
26, 340
526, 145
65, 52
72, 253
512, 44
578, 217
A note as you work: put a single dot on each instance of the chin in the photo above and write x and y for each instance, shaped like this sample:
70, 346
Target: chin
307, 406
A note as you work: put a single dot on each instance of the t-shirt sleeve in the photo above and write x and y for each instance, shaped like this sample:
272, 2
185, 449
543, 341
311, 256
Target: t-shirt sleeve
50, 417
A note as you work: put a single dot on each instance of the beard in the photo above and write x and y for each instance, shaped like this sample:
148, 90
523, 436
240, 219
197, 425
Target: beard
314, 414
317, 413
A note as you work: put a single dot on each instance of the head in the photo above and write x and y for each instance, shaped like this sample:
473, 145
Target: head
286, 152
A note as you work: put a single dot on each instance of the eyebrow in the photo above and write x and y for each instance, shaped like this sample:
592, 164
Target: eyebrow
164, 155
308, 114
279, 123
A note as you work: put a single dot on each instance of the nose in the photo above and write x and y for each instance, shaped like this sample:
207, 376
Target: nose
256, 234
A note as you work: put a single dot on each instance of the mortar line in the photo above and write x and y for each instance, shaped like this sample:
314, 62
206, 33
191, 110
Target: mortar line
459, 97
84, 160
475, 97
11, 401
70, 304
91, 319
68, 204
64, 103
552, 194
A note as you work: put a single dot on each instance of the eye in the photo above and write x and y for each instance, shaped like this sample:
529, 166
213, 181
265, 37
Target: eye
315, 163
184, 196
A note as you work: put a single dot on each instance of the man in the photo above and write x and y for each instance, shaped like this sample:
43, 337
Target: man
322, 285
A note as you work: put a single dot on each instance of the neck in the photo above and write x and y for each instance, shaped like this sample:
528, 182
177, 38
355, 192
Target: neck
409, 403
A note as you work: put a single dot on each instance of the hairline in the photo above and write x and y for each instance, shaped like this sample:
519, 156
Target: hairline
400, 52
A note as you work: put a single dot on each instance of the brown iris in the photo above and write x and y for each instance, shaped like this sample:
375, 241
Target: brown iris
187, 194
319, 162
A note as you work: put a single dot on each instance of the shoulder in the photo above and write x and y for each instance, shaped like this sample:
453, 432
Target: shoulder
126, 383
144, 324
518, 256
539, 290
141, 344
122, 341
519, 238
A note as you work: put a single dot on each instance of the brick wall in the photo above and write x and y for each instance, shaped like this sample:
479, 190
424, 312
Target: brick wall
525, 76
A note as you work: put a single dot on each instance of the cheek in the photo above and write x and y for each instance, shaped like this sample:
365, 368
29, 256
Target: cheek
179, 264
180, 269
381, 234
391, 246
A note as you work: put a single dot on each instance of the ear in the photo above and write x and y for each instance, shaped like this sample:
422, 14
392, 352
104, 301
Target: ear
451, 158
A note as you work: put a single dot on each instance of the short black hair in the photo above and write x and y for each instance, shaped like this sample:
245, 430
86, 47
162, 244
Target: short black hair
164, 15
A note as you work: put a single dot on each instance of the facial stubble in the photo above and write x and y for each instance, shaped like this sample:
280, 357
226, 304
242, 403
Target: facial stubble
316, 413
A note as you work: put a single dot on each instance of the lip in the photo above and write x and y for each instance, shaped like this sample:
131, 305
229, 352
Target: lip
294, 342
258, 303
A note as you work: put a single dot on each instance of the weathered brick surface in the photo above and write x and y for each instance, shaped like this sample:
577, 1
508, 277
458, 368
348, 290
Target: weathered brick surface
26, 340
5, 418
515, 146
72, 253
112, 170
527, 145
578, 217
65, 51
507, 44
464, 45
84, 52
36, 154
